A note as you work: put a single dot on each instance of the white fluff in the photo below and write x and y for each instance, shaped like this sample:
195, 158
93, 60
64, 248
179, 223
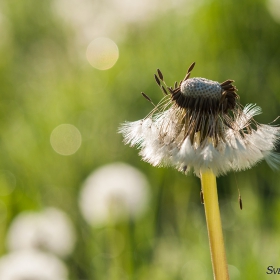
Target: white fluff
161, 142
113, 193
32, 264
50, 230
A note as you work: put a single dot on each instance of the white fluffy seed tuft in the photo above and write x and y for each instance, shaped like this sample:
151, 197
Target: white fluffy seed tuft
237, 151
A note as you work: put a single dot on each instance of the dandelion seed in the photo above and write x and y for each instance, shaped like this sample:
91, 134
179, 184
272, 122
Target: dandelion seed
201, 197
240, 200
147, 97
164, 90
160, 74
201, 124
157, 79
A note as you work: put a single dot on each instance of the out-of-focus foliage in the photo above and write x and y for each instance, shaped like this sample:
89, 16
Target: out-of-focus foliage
46, 81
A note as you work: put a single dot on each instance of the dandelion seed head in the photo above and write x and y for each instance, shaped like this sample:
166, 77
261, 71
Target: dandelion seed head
201, 87
32, 264
50, 230
113, 193
201, 125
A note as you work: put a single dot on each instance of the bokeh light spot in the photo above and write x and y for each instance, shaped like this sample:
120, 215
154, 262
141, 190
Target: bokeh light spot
66, 139
7, 182
102, 53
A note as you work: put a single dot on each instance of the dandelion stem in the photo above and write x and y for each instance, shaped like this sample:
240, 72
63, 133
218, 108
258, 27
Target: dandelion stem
214, 226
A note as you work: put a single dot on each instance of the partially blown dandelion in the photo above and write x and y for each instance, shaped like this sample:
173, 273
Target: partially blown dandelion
200, 124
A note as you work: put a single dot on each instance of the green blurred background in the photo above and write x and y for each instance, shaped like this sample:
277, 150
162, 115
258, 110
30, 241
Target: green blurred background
47, 79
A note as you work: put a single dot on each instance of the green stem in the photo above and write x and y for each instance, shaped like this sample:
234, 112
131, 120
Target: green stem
214, 225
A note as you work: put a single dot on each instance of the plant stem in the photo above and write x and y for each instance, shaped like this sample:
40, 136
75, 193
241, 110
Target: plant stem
214, 225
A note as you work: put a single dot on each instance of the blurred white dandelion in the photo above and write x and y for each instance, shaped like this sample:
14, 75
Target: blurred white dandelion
113, 193
91, 19
32, 265
50, 230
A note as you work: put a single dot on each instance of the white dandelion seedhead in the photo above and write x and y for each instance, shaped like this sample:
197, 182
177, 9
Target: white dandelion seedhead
200, 125
23, 265
113, 193
49, 230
